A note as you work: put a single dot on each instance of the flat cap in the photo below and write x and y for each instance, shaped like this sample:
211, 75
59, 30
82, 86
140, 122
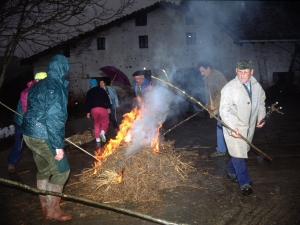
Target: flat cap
245, 64
142, 72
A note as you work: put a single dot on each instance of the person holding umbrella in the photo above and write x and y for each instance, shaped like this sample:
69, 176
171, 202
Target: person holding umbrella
104, 83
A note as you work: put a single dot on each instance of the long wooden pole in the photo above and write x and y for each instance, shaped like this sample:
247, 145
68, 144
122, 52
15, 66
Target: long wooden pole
89, 202
65, 138
209, 111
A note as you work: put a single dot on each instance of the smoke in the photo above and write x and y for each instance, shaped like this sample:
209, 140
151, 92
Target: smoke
159, 103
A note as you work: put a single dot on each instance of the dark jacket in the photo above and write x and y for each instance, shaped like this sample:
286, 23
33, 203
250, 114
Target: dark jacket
47, 105
96, 97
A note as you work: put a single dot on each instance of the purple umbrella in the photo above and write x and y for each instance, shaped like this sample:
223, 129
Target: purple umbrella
116, 75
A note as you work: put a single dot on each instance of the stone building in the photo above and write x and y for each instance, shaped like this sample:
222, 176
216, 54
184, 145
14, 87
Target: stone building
175, 37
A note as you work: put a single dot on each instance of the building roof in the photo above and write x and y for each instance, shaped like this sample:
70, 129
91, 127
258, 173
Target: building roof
72, 42
246, 21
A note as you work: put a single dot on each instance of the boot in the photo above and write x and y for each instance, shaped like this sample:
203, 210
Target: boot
53, 211
42, 185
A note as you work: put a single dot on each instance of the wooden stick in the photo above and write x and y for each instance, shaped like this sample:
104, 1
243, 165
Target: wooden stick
65, 138
209, 111
181, 122
89, 202
81, 149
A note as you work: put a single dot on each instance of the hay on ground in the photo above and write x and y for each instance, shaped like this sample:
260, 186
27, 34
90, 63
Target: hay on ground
82, 138
144, 173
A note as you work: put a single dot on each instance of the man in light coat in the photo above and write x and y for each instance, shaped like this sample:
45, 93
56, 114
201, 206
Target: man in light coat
242, 107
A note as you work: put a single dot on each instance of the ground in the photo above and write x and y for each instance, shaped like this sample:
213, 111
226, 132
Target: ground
210, 197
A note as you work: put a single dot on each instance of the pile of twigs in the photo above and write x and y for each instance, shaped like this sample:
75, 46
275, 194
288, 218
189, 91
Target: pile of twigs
136, 177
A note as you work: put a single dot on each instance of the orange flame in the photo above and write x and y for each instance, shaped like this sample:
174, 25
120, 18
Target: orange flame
124, 135
155, 143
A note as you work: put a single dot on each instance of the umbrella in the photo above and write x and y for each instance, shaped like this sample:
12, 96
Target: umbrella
116, 75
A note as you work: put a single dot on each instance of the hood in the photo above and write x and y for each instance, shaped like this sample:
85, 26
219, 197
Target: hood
93, 83
30, 83
58, 67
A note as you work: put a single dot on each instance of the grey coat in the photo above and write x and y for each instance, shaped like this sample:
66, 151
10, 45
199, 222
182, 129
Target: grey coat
238, 111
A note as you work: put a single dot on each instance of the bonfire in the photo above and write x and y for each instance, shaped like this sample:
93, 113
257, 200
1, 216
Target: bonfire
119, 176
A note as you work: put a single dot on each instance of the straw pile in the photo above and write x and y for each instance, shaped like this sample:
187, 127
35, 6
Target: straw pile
144, 173
82, 138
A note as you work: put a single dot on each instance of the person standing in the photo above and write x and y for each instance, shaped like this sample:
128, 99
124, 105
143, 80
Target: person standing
17, 149
98, 105
214, 81
43, 130
113, 100
141, 83
242, 108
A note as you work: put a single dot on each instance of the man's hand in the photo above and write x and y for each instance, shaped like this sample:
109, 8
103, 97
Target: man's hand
88, 115
235, 133
258, 125
108, 110
211, 108
59, 154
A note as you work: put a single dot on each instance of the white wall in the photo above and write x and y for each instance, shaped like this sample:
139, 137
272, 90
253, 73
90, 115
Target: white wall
168, 50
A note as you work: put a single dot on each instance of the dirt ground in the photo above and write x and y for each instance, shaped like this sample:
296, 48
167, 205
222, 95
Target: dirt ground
210, 198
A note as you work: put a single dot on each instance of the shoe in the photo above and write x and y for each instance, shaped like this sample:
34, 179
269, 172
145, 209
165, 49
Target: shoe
11, 168
102, 136
217, 154
232, 177
98, 140
246, 189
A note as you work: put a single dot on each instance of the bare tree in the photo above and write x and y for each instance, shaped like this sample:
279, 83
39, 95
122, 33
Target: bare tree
30, 26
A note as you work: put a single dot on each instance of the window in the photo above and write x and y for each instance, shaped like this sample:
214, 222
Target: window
101, 43
191, 38
141, 20
143, 41
189, 19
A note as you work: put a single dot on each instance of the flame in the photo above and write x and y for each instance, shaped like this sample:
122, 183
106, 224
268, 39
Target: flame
123, 135
155, 143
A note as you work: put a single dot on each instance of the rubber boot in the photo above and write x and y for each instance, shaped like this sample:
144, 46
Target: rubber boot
53, 211
43, 185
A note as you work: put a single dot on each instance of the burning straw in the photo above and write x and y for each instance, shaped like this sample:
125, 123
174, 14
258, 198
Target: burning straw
135, 177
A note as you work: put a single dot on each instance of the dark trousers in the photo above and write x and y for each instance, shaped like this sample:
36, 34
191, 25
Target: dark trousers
238, 166
17, 149
220, 138
113, 117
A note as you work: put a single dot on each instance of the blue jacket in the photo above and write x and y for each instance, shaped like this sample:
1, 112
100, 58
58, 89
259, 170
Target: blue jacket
112, 96
144, 87
47, 105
